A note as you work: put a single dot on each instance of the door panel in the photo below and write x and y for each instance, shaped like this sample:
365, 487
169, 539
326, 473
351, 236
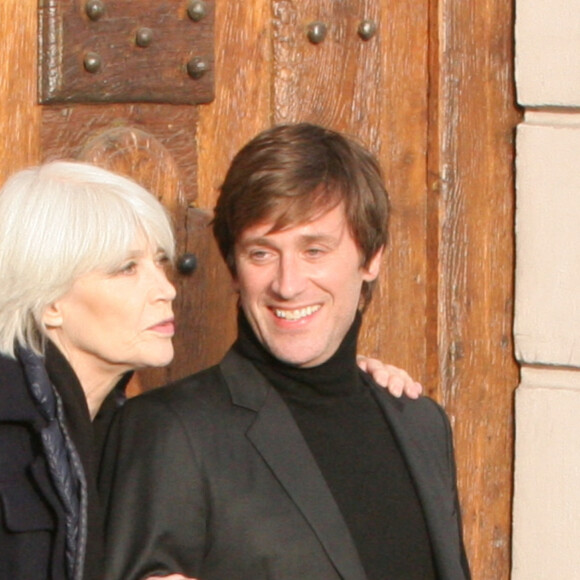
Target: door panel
473, 118
431, 93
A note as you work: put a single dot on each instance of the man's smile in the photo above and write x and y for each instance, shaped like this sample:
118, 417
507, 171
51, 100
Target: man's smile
296, 314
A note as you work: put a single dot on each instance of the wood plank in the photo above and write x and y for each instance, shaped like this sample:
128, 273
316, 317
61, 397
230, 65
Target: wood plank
471, 170
399, 317
242, 103
19, 113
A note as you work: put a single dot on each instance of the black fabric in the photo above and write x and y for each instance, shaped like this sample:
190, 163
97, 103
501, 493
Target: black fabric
62, 457
211, 477
89, 438
32, 530
32, 515
355, 449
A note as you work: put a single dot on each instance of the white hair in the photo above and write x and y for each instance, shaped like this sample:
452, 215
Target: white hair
59, 221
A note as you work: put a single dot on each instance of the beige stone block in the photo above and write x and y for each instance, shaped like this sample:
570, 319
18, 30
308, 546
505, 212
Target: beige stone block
546, 516
547, 298
548, 52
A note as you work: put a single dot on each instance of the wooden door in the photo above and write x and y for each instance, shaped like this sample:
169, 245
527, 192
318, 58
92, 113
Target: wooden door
431, 93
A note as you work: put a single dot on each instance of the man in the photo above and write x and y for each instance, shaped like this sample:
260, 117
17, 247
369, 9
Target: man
285, 461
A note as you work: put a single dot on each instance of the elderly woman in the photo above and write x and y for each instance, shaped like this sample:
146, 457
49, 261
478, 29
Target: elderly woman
84, 300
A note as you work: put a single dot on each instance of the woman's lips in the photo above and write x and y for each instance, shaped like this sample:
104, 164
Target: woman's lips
166, 327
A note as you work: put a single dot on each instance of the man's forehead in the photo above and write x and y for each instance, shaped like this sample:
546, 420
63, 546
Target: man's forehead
330, 223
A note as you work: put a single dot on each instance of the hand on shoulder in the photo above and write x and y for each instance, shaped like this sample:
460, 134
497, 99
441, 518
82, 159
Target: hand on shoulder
395, 380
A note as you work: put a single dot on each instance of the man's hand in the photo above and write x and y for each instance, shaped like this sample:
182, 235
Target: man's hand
396, 380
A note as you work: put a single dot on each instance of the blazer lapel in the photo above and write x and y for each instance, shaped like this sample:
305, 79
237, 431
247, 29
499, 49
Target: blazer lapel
434, 483
279, 441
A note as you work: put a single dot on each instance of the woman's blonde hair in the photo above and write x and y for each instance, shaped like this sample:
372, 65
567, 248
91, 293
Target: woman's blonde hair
58, 222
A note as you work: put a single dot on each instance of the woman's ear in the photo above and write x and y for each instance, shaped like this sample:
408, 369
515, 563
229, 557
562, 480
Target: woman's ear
52, 316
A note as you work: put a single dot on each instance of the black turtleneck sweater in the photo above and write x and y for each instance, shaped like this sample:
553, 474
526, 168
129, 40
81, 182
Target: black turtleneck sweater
358, 456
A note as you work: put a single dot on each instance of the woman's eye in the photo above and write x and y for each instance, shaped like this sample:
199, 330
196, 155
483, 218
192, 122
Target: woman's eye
128, 268
163, 260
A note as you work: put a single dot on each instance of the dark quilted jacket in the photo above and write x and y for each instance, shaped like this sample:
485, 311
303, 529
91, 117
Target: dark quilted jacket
50, 521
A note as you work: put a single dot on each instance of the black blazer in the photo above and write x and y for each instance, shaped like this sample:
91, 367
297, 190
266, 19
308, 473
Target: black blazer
212, 478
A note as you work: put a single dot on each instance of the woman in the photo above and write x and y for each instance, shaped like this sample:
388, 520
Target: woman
84, 300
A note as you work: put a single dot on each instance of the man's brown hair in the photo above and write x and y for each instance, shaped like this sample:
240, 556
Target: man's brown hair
293, 174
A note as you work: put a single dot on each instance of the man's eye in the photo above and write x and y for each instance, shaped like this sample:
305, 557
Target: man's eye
259, 255
314, 252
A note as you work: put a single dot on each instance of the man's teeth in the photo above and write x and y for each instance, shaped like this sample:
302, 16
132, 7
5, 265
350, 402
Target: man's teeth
296, 314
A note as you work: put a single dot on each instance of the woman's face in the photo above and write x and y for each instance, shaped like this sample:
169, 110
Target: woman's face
113, 322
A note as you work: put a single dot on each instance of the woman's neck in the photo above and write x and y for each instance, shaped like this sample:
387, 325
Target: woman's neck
97, 378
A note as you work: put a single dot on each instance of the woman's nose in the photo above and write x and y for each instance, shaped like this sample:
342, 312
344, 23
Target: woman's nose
163, 288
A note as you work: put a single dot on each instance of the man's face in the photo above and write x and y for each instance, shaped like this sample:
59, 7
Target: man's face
300, 287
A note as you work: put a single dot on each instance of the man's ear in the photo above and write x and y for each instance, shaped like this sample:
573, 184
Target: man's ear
52, 316
234, 278
372, 269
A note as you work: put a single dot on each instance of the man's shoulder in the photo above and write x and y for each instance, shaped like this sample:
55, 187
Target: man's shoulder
195, 405
423, 411
188, 392
420, 425
423, 405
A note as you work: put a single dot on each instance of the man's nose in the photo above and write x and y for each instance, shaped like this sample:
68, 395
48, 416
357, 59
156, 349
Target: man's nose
290, 278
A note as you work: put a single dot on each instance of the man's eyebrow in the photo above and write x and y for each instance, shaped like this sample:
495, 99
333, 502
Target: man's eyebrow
256, 241
328, 239
305, 239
